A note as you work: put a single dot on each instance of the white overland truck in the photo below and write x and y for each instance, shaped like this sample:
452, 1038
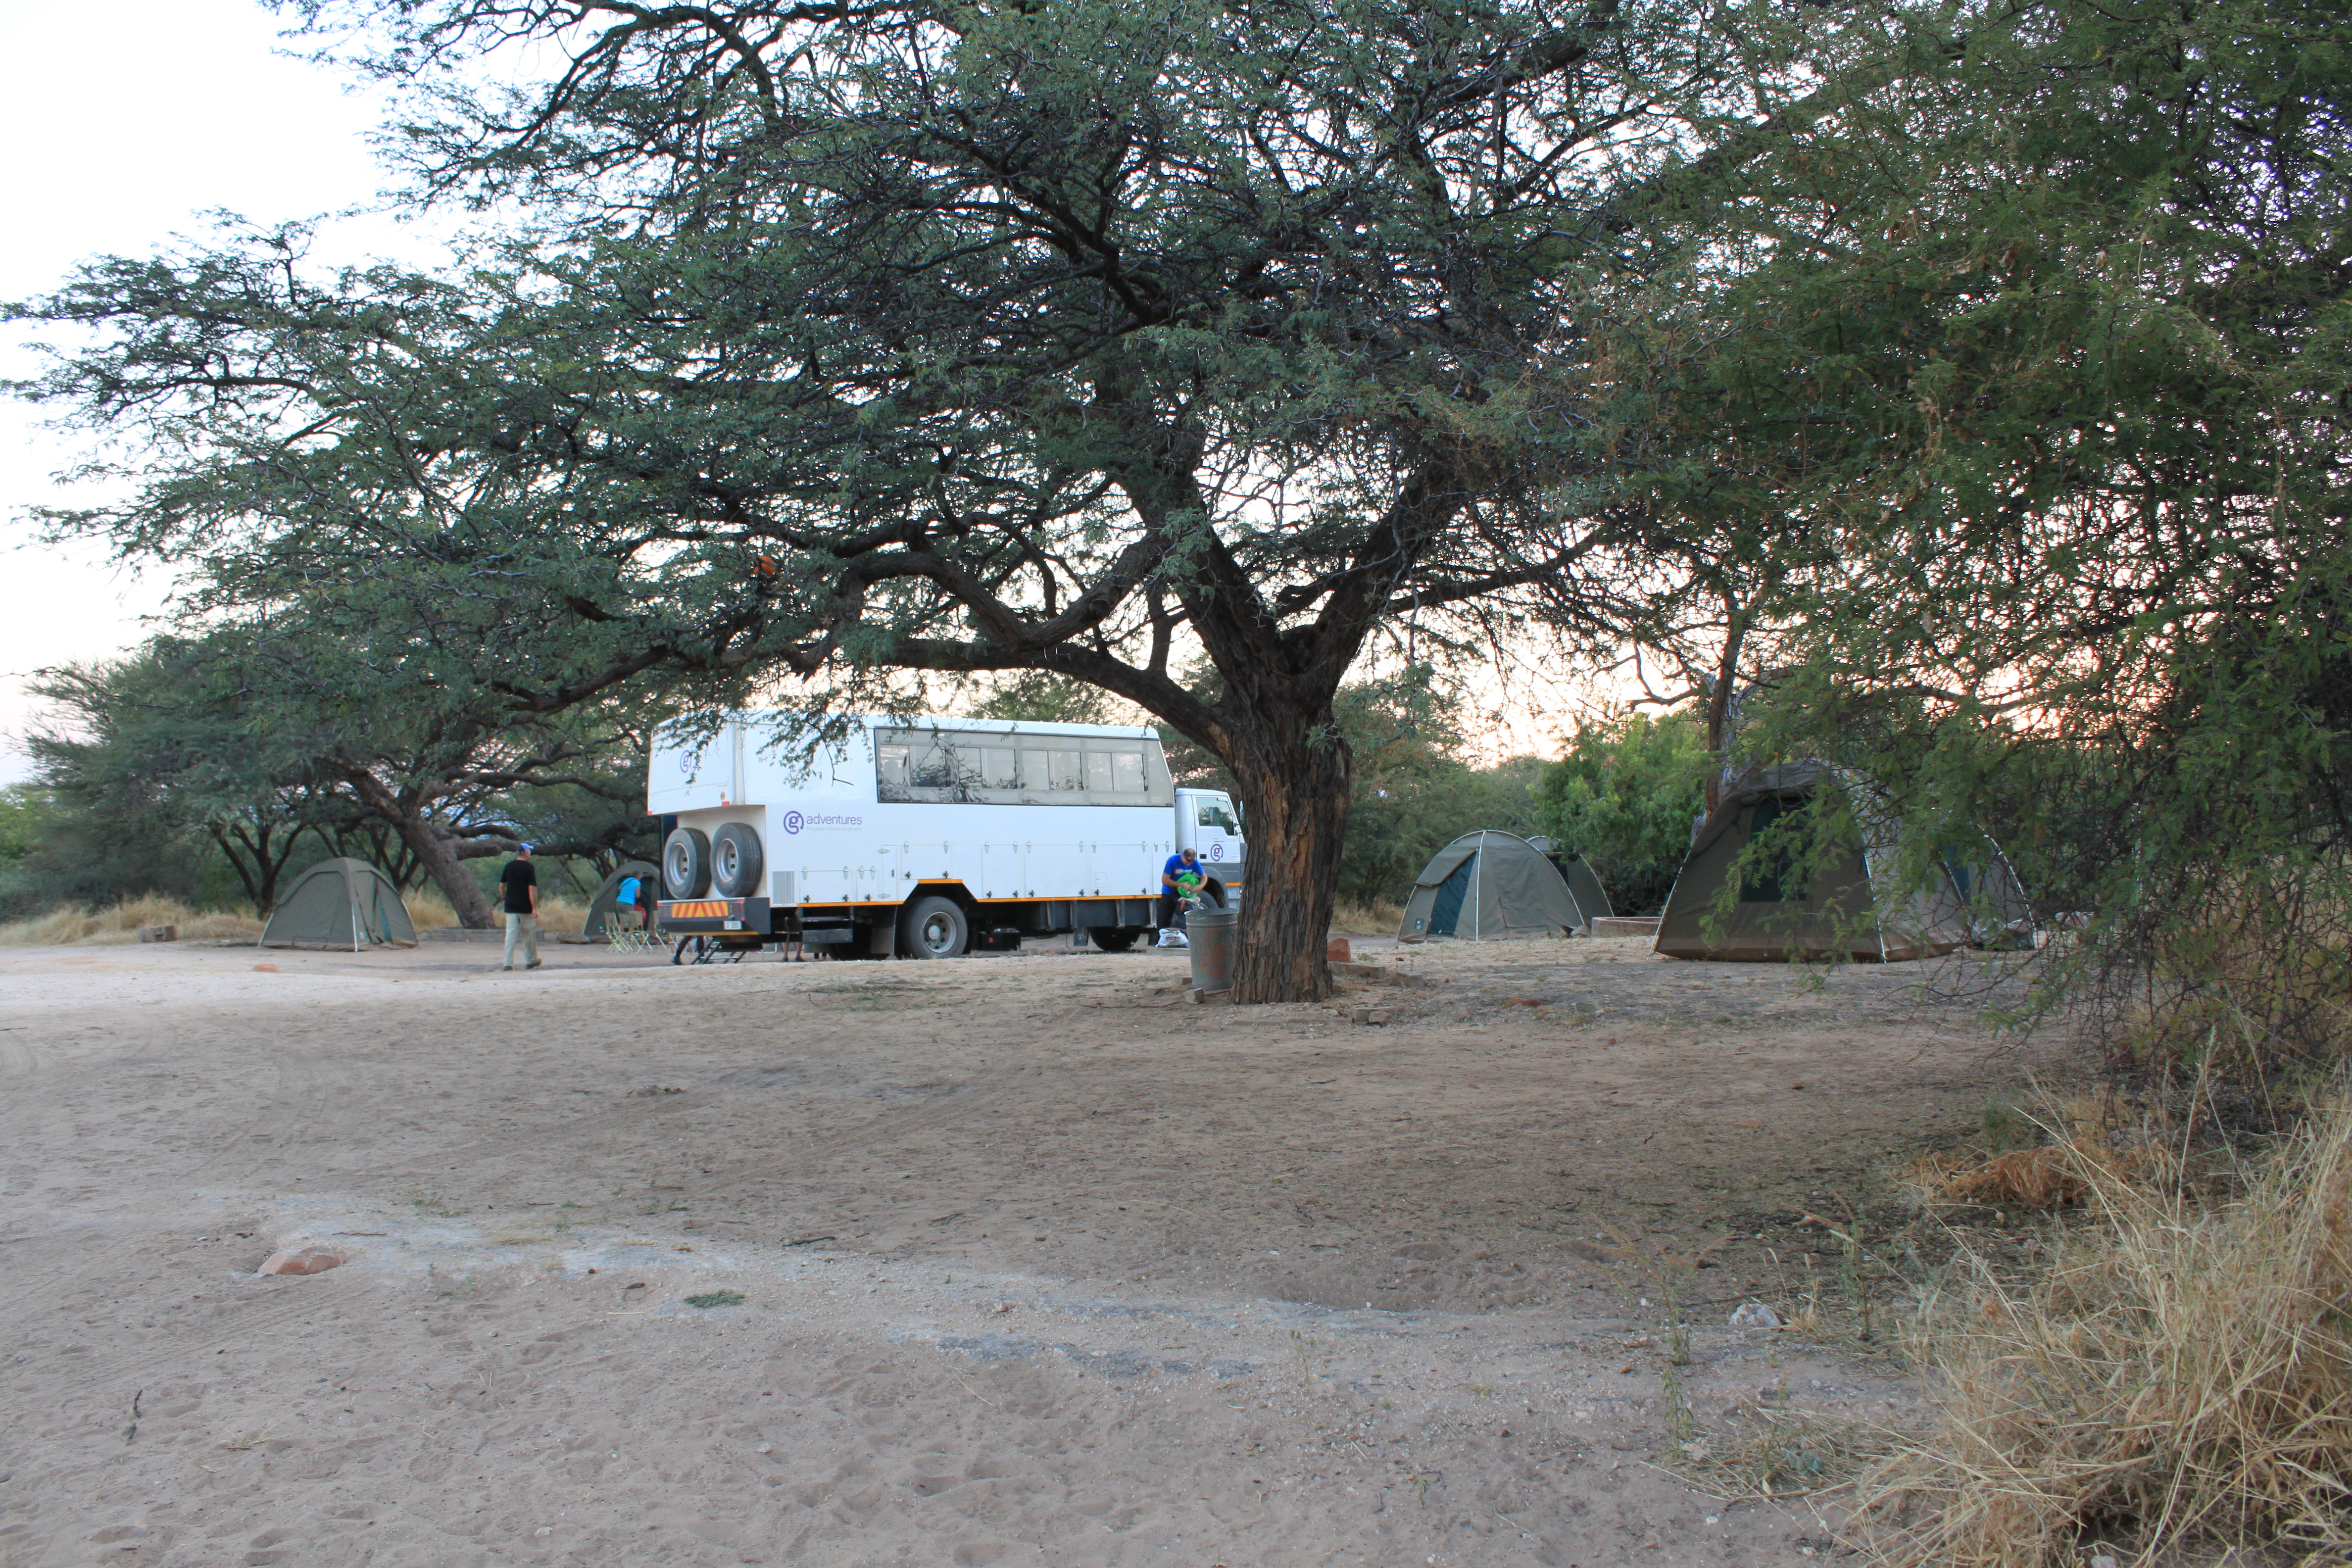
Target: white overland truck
925, 837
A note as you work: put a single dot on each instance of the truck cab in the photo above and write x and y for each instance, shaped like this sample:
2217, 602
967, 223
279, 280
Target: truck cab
1207, 824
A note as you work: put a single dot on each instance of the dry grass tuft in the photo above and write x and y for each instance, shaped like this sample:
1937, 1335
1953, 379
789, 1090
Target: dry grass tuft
563, 914
429, 911
2027, 1179
72, 927
2097, 1132
1764, 1453
2181, 1375
1351, 917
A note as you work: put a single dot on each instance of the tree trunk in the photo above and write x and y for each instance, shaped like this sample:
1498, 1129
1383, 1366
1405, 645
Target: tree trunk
1295, 798
1719, 701
438, 855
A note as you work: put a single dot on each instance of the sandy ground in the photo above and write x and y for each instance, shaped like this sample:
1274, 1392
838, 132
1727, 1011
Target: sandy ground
1038, 1262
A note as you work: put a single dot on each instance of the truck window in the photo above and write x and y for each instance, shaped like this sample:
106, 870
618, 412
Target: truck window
936, 766
1214, 813
964, 767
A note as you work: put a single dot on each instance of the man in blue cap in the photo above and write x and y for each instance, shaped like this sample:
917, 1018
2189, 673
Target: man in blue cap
519, 883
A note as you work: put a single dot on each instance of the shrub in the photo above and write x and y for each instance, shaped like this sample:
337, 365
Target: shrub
1624, 798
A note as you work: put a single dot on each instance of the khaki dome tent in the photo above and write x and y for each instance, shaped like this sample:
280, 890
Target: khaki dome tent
1486, 884
1849, 909
602, 907
344, 904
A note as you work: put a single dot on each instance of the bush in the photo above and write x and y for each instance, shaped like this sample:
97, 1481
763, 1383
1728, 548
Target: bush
1624, 798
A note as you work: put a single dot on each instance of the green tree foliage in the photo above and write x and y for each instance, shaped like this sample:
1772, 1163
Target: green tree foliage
1624, 796
398, 711
1039, 697
28, 818
1414, 791
2047, 329
972, 338
200, 769
152, 790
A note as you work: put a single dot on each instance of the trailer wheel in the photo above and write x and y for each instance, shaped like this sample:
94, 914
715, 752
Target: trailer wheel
685, 863
1113, 938
735, 861
934, 926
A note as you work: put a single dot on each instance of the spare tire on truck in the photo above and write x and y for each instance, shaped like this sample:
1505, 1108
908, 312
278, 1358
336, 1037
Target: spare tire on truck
934, 926
735, 861
686, 864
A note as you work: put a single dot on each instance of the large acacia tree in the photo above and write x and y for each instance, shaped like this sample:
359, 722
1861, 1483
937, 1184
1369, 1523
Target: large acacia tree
1066, 337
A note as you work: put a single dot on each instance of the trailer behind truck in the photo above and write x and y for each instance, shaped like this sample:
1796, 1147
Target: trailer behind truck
924, 839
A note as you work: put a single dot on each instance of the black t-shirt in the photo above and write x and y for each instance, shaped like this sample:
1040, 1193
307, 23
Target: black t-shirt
519, 879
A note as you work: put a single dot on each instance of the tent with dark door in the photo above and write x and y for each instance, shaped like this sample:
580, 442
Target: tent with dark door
610, 894
1486, 884
344, 904
1727, 904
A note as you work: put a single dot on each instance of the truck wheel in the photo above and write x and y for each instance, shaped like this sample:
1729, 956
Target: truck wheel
934, 928
1113, 938
686, 864
735, 861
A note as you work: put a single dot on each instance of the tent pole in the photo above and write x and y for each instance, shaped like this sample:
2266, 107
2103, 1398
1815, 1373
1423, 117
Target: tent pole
1477, 869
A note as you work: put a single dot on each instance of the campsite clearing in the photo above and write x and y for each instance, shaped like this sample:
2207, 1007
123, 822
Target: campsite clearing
1038, 1262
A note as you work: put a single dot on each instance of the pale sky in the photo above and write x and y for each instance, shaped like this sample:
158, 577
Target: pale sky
187, 109
117, 153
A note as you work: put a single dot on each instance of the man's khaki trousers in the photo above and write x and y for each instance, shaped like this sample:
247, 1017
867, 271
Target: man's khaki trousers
525, 929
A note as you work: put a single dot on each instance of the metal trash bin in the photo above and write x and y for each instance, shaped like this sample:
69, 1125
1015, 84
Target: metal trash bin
1211, 932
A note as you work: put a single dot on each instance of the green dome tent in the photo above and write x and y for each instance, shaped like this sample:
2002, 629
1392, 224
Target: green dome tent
1850, 908
607, 900
1488, 885
343, 904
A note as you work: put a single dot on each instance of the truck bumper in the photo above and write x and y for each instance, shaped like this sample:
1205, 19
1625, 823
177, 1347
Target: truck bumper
717, 915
